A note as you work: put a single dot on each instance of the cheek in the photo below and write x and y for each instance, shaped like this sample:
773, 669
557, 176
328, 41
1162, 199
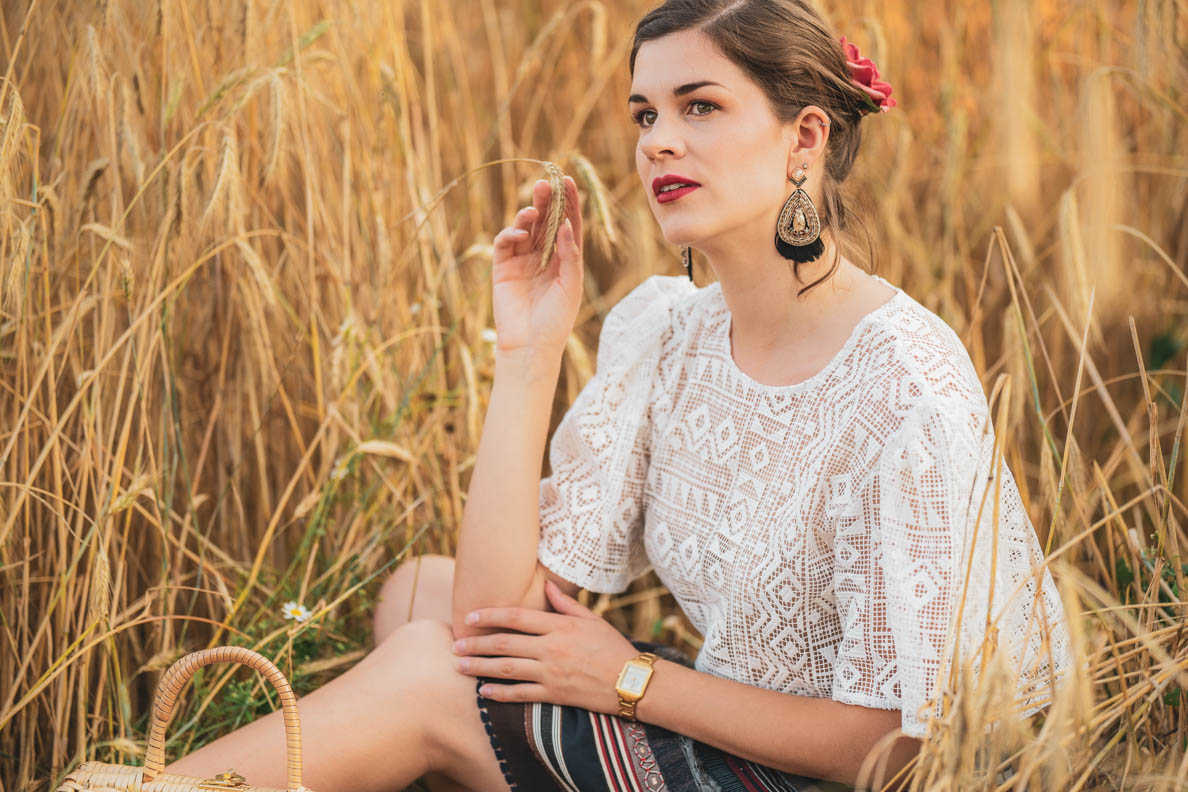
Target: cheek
644, 169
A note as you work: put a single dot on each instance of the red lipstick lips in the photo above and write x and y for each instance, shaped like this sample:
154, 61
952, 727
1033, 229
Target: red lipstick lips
671, 195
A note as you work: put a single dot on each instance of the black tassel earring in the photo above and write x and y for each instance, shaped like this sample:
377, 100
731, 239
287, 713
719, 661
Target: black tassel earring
687, 254
798, 231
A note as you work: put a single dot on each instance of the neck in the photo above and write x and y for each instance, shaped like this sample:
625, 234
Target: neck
761, 291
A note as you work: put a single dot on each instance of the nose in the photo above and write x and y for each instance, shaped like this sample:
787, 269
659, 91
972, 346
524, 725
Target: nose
662, 139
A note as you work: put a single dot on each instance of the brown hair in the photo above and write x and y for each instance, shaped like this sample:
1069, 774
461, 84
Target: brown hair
790, 51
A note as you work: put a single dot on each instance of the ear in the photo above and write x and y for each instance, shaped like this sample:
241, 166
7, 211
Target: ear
565, 603
808, 138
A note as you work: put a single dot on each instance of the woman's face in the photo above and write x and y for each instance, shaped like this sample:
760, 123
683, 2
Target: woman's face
723, 136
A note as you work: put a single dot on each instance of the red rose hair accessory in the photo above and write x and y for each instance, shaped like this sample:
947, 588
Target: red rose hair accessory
865, 75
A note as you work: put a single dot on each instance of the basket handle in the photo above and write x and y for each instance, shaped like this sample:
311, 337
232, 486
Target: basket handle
179, 674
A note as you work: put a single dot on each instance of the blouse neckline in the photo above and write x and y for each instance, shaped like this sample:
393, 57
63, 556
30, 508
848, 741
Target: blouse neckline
723, 339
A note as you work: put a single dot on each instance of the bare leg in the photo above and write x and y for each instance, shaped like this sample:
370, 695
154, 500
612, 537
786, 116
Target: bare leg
401, 714
420, 588
362, 731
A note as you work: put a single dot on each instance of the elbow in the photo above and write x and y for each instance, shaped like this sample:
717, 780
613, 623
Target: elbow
463, 630
462, 608
873, 751
882, 767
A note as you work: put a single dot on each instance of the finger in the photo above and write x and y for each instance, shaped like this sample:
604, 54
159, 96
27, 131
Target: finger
563, 602
540, 197
573, 204
509, 238
500, 644
497, 691
525, 217
527, 620
570, 272
518, 668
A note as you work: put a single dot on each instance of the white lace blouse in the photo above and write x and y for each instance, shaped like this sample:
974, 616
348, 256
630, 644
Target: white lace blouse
816, 534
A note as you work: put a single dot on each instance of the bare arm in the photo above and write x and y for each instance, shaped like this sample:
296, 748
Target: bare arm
535, 308
496, 562
817, 737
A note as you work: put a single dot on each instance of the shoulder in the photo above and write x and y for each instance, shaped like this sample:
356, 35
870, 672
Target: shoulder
919, 370
657, 295
643, 317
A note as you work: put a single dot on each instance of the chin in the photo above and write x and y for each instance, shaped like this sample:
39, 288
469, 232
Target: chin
677, 235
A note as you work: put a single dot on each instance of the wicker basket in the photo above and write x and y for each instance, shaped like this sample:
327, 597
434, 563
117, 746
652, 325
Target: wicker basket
104, 777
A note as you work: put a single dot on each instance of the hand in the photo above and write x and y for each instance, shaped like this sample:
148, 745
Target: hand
570, 657
536, 310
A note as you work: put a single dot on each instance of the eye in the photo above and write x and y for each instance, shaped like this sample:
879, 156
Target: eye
638, 116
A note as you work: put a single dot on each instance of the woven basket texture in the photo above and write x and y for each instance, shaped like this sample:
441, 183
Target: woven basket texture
105, 777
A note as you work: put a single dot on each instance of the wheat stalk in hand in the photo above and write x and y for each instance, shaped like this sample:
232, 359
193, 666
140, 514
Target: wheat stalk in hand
554, 213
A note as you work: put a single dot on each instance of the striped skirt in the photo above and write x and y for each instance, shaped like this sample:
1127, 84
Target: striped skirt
556, 747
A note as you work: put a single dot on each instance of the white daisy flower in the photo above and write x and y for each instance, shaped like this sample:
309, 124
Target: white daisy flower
488, 335
292, 610
415, 308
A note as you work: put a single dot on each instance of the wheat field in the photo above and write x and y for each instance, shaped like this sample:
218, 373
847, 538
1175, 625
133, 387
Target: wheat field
245, 318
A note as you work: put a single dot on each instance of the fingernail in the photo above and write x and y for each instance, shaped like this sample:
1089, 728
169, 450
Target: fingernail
463, 664
519, 232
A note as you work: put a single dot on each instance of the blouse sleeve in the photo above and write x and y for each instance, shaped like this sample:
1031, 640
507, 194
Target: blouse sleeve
591, 504
901, 564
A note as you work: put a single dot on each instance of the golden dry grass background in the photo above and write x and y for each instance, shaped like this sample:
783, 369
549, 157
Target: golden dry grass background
244, 276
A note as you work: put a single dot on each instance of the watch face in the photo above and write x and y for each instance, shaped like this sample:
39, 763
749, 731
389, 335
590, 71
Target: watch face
633, 679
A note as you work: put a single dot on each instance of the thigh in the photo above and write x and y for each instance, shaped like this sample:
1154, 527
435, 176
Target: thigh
444, 700
443, 783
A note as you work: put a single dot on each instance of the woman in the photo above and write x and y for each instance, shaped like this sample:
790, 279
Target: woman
793, 449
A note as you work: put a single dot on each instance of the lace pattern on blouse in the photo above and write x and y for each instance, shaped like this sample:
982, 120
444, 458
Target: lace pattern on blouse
816, 534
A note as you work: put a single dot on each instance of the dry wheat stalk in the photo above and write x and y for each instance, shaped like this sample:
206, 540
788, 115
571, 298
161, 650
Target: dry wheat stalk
108, 233
11, 127
221, 192
255, 265
276, 116
127, 145
95, 72
554, 212
597, 197
94, 170
99, 601
11, 291
190, 188
172, 205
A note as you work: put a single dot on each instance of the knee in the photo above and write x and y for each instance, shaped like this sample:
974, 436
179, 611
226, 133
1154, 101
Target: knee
418, 654
413, 673
427, 590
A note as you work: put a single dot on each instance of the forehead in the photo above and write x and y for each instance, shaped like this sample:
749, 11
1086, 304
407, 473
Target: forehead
664, 64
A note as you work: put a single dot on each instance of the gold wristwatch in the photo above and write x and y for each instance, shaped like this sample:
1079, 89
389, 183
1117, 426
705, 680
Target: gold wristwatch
633, 680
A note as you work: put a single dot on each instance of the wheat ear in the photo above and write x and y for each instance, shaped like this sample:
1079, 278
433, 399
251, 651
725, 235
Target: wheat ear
554, 212
599, 198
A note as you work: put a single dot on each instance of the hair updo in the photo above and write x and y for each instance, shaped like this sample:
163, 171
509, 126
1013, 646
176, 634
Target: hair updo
791, 52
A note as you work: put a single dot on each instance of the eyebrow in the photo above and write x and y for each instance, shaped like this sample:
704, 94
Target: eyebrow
680, 90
